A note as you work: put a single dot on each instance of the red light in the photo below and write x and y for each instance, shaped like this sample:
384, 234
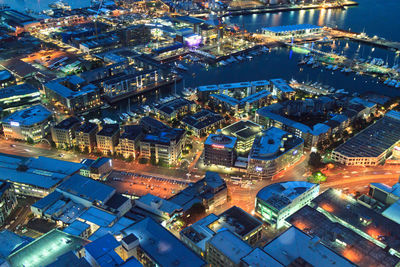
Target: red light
218, 146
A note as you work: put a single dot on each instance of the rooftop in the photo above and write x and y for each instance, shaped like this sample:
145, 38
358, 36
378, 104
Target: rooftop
279, 195
18, 90
109, 130
87, 189
103, 251
165, 136
230, 245
294, 244
67, 123
258, 258
289, 28
76, 228
221, 141
28, 116
375, 139
202, 119
94, 215
159, 203
70, 86
174, 105
87, 127
46, 249
162, 246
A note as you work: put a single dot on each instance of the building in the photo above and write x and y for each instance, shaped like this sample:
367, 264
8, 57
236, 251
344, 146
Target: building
245, 132
165, 147
258, 257
175, 108
129, 141
202, 122
276, 202
211, 192
107, 139
85, 136
11, 242
220, 150
97, 169
296, 248
153, 245
236, 220
104, 251
18, 97
28, 124
226, 249
287, 31
163, 208
282, 89
152, 125
8, 201
272, 152
350, 228
72, 94
63, 133
373, 145
36, 177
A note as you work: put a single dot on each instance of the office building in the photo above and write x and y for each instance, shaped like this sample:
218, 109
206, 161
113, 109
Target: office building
18, 97
129, 141
276, 202
165, 147
107, 139
226, 249
220, 150
152, 125
28, 124
96, 169
72, 94
163, 208
8, 201
202, 122
85, 136
236, 220
63, 133
211, 192
153, 245
259, 257
373, 145
273, 151
282, 89
245, 132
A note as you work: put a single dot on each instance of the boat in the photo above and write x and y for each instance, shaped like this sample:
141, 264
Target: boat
329, 67
60, 5
130, 113
249, 57
239, 58
392, 83
223, 63
386, 81
397, 84
335, 67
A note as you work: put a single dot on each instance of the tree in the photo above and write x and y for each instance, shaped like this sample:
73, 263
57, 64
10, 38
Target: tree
29, 140
315, 160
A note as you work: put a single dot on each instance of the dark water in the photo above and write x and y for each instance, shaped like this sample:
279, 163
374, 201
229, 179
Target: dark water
39, 5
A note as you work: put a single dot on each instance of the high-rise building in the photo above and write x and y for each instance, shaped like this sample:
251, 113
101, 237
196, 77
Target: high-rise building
220, 150
63, 133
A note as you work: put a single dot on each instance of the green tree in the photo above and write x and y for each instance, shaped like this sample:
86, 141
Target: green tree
30, 141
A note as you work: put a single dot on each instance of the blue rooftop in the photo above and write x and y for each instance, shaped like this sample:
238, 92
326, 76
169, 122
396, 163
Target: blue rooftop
289, 28
28, 116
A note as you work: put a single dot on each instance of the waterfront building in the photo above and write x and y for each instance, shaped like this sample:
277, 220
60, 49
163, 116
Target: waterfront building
18, 97
273, 151
86, 136
220, 150
350, 228
288, 31
30, 123
282, 89
164, 147
107, 139
143, 239
72, 94
211, 192
6, 78
63, 133
296, 248
236, 220
373, 145
202, 122
175, 108
129, 141
8, 201
245, 132
35, 177
226, 249
276, 202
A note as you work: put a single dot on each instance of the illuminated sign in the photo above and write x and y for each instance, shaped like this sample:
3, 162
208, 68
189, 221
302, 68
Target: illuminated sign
14, 123
217, 146
396, 148
193, 40
295, 152
259, 169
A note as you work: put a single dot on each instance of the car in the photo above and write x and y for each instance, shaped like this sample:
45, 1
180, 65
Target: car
61, 155
12, 145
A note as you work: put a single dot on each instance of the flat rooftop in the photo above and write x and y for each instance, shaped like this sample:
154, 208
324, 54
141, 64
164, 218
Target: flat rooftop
162, 246
46, 249
174, 105
109, 130
18, 91
70, 86
87, 127
67, 123
375, 139
221, 141
293, 244
202, 119
279, 195
344, 241
291, 28
28, 116
242, 129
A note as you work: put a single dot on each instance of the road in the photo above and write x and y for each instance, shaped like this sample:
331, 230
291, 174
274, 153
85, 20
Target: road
241, 194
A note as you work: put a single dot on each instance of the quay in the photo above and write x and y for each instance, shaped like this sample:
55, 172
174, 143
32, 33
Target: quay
259, 10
